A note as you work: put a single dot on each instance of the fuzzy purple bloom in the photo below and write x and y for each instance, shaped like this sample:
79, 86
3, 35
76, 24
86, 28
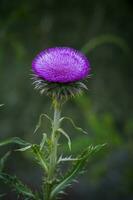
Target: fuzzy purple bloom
61, 65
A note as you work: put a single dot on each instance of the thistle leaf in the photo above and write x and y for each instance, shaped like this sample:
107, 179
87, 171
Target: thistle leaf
40, 121
39, 156
37, 152
75, 170
43, 141
17, 185
69, 158
67, 136
24, 148
14, 140
74, 125
3, 160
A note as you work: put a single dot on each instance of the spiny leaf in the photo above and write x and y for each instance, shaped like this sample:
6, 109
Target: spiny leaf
24, 148
14, 140
66, 135
3, 160
76, 169
17, 185
40, 121
74, 125
69, 158
37, 151
43, 141
39, 156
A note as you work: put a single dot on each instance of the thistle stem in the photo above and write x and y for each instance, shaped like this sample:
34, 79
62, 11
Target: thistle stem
54, 141
53, 149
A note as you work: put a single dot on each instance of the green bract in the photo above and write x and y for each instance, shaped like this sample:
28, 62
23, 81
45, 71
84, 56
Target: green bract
59, 91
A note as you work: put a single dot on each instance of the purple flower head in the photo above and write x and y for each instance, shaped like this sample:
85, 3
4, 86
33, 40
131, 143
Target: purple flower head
61, 65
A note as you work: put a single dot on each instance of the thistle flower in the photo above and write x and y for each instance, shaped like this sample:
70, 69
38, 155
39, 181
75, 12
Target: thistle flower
58, 71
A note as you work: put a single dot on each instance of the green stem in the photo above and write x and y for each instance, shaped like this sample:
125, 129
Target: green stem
53, 150
54, 142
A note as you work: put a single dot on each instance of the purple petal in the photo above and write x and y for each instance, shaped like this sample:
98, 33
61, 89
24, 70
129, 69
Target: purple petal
61, 64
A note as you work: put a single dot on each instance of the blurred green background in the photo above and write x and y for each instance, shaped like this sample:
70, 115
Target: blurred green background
104, 29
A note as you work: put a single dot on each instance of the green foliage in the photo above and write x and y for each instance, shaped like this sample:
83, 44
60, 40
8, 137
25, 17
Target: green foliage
44, 140
54, 184
38, 152
14, 140
17, 186
40, 157
40, 121
74, 125
66, 135
77, 168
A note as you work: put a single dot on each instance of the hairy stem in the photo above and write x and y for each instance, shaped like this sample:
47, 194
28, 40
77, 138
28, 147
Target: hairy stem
53, 159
